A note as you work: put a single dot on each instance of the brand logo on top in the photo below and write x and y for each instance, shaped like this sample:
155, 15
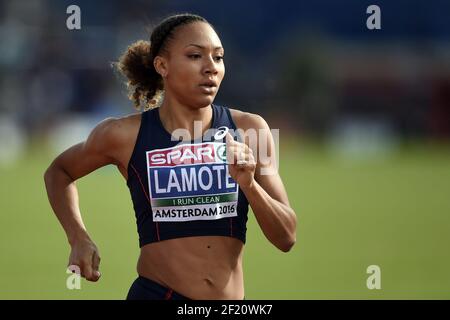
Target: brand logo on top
209, 152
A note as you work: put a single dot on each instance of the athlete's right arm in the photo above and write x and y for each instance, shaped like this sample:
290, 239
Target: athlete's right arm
98, 150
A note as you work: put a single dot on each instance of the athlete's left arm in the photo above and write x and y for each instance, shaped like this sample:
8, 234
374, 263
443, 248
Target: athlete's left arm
261, 183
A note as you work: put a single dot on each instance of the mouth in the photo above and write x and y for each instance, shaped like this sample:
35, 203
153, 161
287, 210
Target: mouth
208, 86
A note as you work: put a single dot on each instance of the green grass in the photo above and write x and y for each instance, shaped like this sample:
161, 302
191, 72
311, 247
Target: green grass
394, 213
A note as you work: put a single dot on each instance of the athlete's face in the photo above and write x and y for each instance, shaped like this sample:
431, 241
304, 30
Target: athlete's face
193, 68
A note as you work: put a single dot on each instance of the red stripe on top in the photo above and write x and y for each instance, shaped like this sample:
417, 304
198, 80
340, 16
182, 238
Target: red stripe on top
146, 195
140, 181
168, 294
231, 226
157, 231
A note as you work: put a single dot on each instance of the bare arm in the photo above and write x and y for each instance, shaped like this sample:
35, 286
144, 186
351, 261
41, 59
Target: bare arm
276, 218
72, 164
262, 185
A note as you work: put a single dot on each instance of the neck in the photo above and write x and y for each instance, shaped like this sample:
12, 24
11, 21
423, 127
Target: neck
175, 115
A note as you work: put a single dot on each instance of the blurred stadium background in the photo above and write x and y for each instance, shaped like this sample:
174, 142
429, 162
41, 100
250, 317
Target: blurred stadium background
364, 119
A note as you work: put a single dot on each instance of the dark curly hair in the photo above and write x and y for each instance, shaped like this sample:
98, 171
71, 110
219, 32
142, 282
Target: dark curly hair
136, 64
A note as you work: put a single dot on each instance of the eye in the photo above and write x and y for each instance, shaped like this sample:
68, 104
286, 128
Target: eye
219, 58
194, 56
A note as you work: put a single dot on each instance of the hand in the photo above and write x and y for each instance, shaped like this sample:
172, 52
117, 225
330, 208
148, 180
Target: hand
85, 255
241, 163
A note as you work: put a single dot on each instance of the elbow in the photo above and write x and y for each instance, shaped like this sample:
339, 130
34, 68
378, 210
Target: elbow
47, 175
287, 244
290, 238
284, 238
50, 174
55, 175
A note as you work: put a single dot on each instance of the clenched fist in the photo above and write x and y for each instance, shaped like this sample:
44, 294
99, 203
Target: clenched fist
85, 255
241, 163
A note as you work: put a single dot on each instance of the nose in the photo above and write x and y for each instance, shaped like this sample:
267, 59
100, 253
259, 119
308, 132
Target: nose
210, 66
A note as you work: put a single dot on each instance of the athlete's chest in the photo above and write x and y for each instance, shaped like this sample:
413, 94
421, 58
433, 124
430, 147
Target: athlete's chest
191, 182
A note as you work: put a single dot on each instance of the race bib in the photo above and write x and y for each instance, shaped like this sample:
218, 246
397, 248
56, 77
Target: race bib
191, 182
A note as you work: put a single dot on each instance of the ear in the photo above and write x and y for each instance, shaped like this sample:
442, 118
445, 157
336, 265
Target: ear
160, 64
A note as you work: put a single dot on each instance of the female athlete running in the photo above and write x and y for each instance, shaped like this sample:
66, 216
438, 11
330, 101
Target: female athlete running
190, 167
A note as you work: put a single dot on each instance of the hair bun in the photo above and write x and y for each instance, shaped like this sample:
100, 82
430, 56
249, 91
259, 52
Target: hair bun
136, 64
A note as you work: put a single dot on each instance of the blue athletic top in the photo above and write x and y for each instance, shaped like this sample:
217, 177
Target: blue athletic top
183, 189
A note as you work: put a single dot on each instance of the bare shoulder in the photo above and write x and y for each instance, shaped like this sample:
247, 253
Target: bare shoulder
246, 120
114, 137
117, 129
118, 124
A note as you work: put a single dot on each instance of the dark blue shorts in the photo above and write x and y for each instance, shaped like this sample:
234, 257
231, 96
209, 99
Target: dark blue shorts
146, 289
